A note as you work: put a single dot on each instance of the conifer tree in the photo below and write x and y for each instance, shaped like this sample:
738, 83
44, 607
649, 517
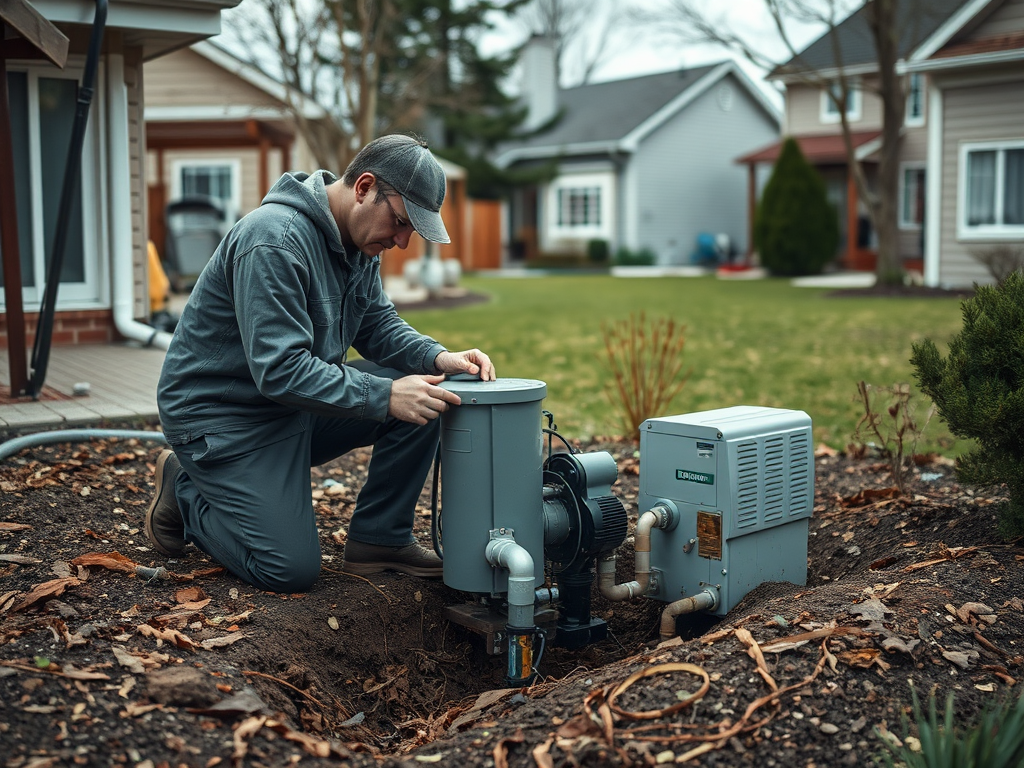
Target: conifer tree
795, 229
979, 391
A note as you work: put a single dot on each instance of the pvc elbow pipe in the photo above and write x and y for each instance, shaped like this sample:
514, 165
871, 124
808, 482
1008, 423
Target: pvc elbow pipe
706, 600
658, 516
507, 554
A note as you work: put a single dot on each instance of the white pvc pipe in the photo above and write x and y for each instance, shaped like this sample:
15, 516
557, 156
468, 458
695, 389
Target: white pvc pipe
519, 564
120, 211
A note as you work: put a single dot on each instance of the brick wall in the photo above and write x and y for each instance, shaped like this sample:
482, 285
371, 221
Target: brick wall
93, 326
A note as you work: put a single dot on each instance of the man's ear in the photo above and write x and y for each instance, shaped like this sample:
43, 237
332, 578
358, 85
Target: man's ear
363, 185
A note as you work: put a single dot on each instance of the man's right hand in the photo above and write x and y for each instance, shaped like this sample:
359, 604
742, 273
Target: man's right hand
418, 399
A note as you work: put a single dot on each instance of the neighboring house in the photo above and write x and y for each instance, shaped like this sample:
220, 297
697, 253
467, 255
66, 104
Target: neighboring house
104, 283
645, 162
216, 125
962, 146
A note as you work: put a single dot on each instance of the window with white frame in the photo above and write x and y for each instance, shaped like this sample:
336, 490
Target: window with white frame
579, 207
42, 104
992, 189
832, 96
217, 178
915, 100
912, 196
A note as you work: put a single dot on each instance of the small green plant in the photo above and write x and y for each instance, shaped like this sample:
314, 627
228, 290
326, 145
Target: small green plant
646, 362
994, 740
795, 227
1000, 260
597, 251
889, 423
626, 257
979, 391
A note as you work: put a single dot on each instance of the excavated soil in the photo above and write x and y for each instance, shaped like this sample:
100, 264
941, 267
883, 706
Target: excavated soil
105, 659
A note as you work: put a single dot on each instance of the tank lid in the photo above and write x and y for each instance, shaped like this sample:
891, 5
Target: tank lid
502, 391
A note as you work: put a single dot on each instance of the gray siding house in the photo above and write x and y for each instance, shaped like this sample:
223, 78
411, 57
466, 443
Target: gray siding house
975, 168
645, 162
962, 145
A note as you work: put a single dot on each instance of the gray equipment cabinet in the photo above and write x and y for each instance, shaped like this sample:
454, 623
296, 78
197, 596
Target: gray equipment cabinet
742, 479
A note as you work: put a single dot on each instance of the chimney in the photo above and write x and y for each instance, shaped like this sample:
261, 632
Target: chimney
539, 88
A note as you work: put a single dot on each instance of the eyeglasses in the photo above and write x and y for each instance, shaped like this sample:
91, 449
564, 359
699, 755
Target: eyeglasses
400, 224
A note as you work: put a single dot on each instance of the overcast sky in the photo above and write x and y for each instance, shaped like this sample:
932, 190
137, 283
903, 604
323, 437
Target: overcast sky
635, 48
642, 48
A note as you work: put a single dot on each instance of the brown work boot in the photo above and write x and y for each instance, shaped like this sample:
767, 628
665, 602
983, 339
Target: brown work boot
164, 526
366, 559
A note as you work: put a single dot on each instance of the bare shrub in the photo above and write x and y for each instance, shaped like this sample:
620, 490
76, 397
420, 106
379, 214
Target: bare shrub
889, 424
1000, 260
646, 361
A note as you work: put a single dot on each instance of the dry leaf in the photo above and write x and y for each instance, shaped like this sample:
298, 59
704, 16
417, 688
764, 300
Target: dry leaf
190, 595
221, 642
134, 710
13, 526
20, 559
128, 660
246, 729
45, 591
172, 636
114, 561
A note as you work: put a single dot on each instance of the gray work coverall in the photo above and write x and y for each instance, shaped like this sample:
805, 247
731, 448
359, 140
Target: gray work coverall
255, 390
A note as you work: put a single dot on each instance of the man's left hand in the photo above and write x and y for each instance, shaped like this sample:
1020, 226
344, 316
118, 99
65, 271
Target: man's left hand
469, 361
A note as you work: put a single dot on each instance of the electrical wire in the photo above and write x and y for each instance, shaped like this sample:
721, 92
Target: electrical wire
564, 441
435, 510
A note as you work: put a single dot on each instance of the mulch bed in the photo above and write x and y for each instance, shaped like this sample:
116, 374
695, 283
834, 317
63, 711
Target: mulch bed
112, 655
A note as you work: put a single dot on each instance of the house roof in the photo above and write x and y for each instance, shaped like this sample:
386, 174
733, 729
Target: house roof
819, 150
614, 115
156, 27
286, 94
853, 46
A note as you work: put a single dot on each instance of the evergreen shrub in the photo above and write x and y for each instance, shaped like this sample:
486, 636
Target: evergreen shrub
795, 227
598, 251
626, 257
979, 391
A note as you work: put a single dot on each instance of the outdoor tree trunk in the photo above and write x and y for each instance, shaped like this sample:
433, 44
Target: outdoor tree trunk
882, 20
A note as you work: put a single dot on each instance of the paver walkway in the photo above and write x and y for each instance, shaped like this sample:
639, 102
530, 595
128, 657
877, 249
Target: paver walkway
122, 385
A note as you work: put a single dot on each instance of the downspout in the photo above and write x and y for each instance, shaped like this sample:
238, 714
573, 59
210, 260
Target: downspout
659, 516
120, 211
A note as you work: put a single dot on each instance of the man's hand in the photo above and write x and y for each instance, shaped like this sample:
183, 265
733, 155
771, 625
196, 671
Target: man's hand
418, 399
469, 361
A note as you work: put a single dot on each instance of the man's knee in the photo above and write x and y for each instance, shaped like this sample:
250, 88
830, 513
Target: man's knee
283, 573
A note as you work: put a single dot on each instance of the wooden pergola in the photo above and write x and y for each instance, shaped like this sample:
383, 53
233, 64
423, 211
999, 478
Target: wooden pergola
162, 136
24, 34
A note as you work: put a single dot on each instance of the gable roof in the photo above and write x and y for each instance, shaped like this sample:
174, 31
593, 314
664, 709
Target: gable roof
615, 116
250, 74
920, 22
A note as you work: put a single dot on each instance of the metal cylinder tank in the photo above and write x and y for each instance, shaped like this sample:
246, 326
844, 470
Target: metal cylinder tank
492, 453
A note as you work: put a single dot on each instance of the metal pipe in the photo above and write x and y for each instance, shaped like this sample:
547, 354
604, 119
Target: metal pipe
705, 600
545, 595
14, 445
659, 516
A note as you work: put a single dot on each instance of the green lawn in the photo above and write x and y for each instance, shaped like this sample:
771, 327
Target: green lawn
759, 342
